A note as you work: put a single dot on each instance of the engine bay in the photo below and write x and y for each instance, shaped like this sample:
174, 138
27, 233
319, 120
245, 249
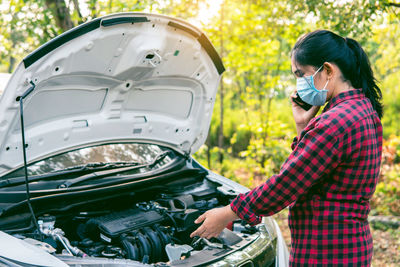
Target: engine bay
152, 226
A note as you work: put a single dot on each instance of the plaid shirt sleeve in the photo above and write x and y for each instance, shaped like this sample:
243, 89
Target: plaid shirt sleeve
315, 153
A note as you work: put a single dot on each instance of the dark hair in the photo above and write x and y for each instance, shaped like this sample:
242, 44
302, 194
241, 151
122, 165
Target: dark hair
321, 46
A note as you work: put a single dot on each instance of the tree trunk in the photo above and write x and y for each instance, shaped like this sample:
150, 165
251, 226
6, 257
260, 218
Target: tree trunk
78, 11
14, 41
92, 7
208, 142
110, 6
11, 64
61, 14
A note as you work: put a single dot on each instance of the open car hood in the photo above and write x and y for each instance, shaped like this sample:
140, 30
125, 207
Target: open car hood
123, 77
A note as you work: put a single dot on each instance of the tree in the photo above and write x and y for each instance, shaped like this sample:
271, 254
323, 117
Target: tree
254, 39
61, 14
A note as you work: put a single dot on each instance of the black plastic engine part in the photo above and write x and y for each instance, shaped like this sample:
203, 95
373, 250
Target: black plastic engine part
165, 239
157, 250
212, 203
204, 194
117, 223
243, 227
177, 204
111, 252
187, 199
132, 251
135, 231
186, 219
206, 204
144, 247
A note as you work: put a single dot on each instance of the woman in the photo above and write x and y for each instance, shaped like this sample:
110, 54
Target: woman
331, 174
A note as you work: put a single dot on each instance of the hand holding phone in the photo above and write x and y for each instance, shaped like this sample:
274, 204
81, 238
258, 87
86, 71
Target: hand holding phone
301, 103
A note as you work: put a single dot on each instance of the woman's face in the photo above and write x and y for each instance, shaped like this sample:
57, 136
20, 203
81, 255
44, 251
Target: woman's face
320, 78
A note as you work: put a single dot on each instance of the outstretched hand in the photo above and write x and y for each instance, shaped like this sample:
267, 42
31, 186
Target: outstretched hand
214, 221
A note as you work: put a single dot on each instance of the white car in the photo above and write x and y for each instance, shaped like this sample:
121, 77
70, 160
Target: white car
110, 113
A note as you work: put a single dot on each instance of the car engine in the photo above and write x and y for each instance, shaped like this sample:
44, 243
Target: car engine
149, 232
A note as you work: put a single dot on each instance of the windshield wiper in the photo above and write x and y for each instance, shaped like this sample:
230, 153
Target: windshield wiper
96, 165
70, 170
105, 173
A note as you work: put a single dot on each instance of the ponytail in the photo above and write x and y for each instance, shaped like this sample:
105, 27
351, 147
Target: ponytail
364, 77
321, 46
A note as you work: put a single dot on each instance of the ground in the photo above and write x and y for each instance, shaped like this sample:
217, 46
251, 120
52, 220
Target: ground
386, 242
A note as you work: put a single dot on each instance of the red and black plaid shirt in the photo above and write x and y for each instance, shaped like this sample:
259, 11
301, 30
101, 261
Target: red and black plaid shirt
327, 180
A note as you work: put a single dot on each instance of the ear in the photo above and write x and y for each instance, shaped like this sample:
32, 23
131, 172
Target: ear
330, 69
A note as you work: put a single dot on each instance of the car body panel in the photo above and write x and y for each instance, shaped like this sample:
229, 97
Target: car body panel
4, 78
18, 251
128, 76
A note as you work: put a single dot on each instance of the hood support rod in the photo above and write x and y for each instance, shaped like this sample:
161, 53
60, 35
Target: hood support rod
28, 195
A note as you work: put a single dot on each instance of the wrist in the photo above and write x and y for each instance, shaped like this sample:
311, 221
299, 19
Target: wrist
300, 128
230, 214
301, 125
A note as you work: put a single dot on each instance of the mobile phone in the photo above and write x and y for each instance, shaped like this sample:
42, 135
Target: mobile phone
301, 103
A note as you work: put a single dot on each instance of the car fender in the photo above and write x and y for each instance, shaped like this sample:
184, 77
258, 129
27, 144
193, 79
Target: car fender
19, 252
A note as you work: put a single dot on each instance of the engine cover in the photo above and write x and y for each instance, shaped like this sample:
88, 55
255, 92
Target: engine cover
117, 223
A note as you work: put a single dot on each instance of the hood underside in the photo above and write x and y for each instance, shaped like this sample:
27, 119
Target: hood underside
129, 76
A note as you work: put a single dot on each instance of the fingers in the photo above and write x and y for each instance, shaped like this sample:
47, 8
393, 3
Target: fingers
208, 236
292, 96
202, 232
292, 101
213, 222
199, 232
200, 218
314, 110
211, 235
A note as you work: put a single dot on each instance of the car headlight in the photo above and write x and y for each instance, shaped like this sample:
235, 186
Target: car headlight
261, 252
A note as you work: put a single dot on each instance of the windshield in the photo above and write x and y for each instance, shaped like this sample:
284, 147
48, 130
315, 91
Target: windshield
109, 153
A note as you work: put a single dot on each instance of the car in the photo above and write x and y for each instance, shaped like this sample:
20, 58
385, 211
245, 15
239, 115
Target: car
4, 77
97, 130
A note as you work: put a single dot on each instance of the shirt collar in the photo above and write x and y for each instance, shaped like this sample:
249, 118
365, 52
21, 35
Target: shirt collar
343, 96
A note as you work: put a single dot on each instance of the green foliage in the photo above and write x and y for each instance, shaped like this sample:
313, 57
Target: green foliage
254, 39
24, 25
250, 152
392, 150
386, 199
387, 62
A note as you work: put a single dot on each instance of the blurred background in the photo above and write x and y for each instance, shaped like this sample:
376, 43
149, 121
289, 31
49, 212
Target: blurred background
252, 125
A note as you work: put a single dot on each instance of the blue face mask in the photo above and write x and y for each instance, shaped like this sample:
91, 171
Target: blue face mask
308, 93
